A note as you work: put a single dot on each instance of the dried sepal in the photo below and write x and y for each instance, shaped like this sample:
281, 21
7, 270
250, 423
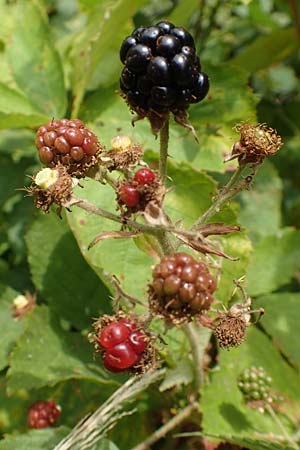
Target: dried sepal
23, 304
123, 155
256, 143
51, 186
231, 326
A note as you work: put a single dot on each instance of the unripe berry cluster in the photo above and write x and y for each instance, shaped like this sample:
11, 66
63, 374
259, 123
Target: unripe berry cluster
123, 344
162, 72
141, 190
70, 143
181, 286
255, 384
43, 414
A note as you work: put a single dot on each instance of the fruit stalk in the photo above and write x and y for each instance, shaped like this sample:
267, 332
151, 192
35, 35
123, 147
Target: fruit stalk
164, 142
167, 427
276, 419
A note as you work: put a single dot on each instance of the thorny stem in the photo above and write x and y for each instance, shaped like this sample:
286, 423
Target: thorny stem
164, 142
225, 194
276, 419
120, 293
167, 427
190, 332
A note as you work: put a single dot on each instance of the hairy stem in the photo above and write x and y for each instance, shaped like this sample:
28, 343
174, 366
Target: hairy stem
197, 352
164, 142
281, 427
167, 427
230, 190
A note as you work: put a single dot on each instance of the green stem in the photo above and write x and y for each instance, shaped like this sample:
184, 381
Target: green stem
281, 426
164, 142
167, 427
197, 352
229, 191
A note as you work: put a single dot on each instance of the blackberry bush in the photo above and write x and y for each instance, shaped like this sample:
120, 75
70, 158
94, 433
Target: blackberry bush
162, 73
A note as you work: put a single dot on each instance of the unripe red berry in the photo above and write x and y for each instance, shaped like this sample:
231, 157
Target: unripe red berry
113, 334
43, 414
137, 341
144, 176
129, 195
121, 356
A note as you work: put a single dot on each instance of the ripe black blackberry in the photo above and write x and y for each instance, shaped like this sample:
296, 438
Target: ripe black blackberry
162, 73
182, 287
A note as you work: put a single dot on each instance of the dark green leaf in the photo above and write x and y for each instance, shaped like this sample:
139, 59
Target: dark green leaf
34, 61
10, 327
45, 355
274, 262
34, 440
60, 273
281, 317
267, 50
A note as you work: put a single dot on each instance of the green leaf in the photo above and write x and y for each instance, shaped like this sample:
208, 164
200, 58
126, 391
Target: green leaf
45, 355
60, 273
10, 327
261, 206
44, 439
222, 402
17, 111
101, 38
253, 444
281, 322
267, 50
274, 262
120, 257
35, 63
181, 374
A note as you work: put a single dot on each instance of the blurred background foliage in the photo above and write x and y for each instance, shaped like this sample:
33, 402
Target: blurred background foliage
60, 59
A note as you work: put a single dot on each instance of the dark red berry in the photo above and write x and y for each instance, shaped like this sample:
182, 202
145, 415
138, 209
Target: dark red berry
137, 341
138, 58
165, 26
126, 45
130, 325
129, 195
43, 414
113, 334
121, 356
149, 36
158, 70
168, 45
181, 284
144, 176
184, 36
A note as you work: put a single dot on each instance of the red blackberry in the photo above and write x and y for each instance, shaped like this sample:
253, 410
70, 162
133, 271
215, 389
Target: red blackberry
123, 344
129, 195
160, 66
144, 176
70, 143
138, 193
181, 287
43, 414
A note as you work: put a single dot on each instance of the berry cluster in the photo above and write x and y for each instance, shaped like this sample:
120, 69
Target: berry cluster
43, 414
123, 345
181, 286
137, 193
162, 72
70, 143
255, 384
